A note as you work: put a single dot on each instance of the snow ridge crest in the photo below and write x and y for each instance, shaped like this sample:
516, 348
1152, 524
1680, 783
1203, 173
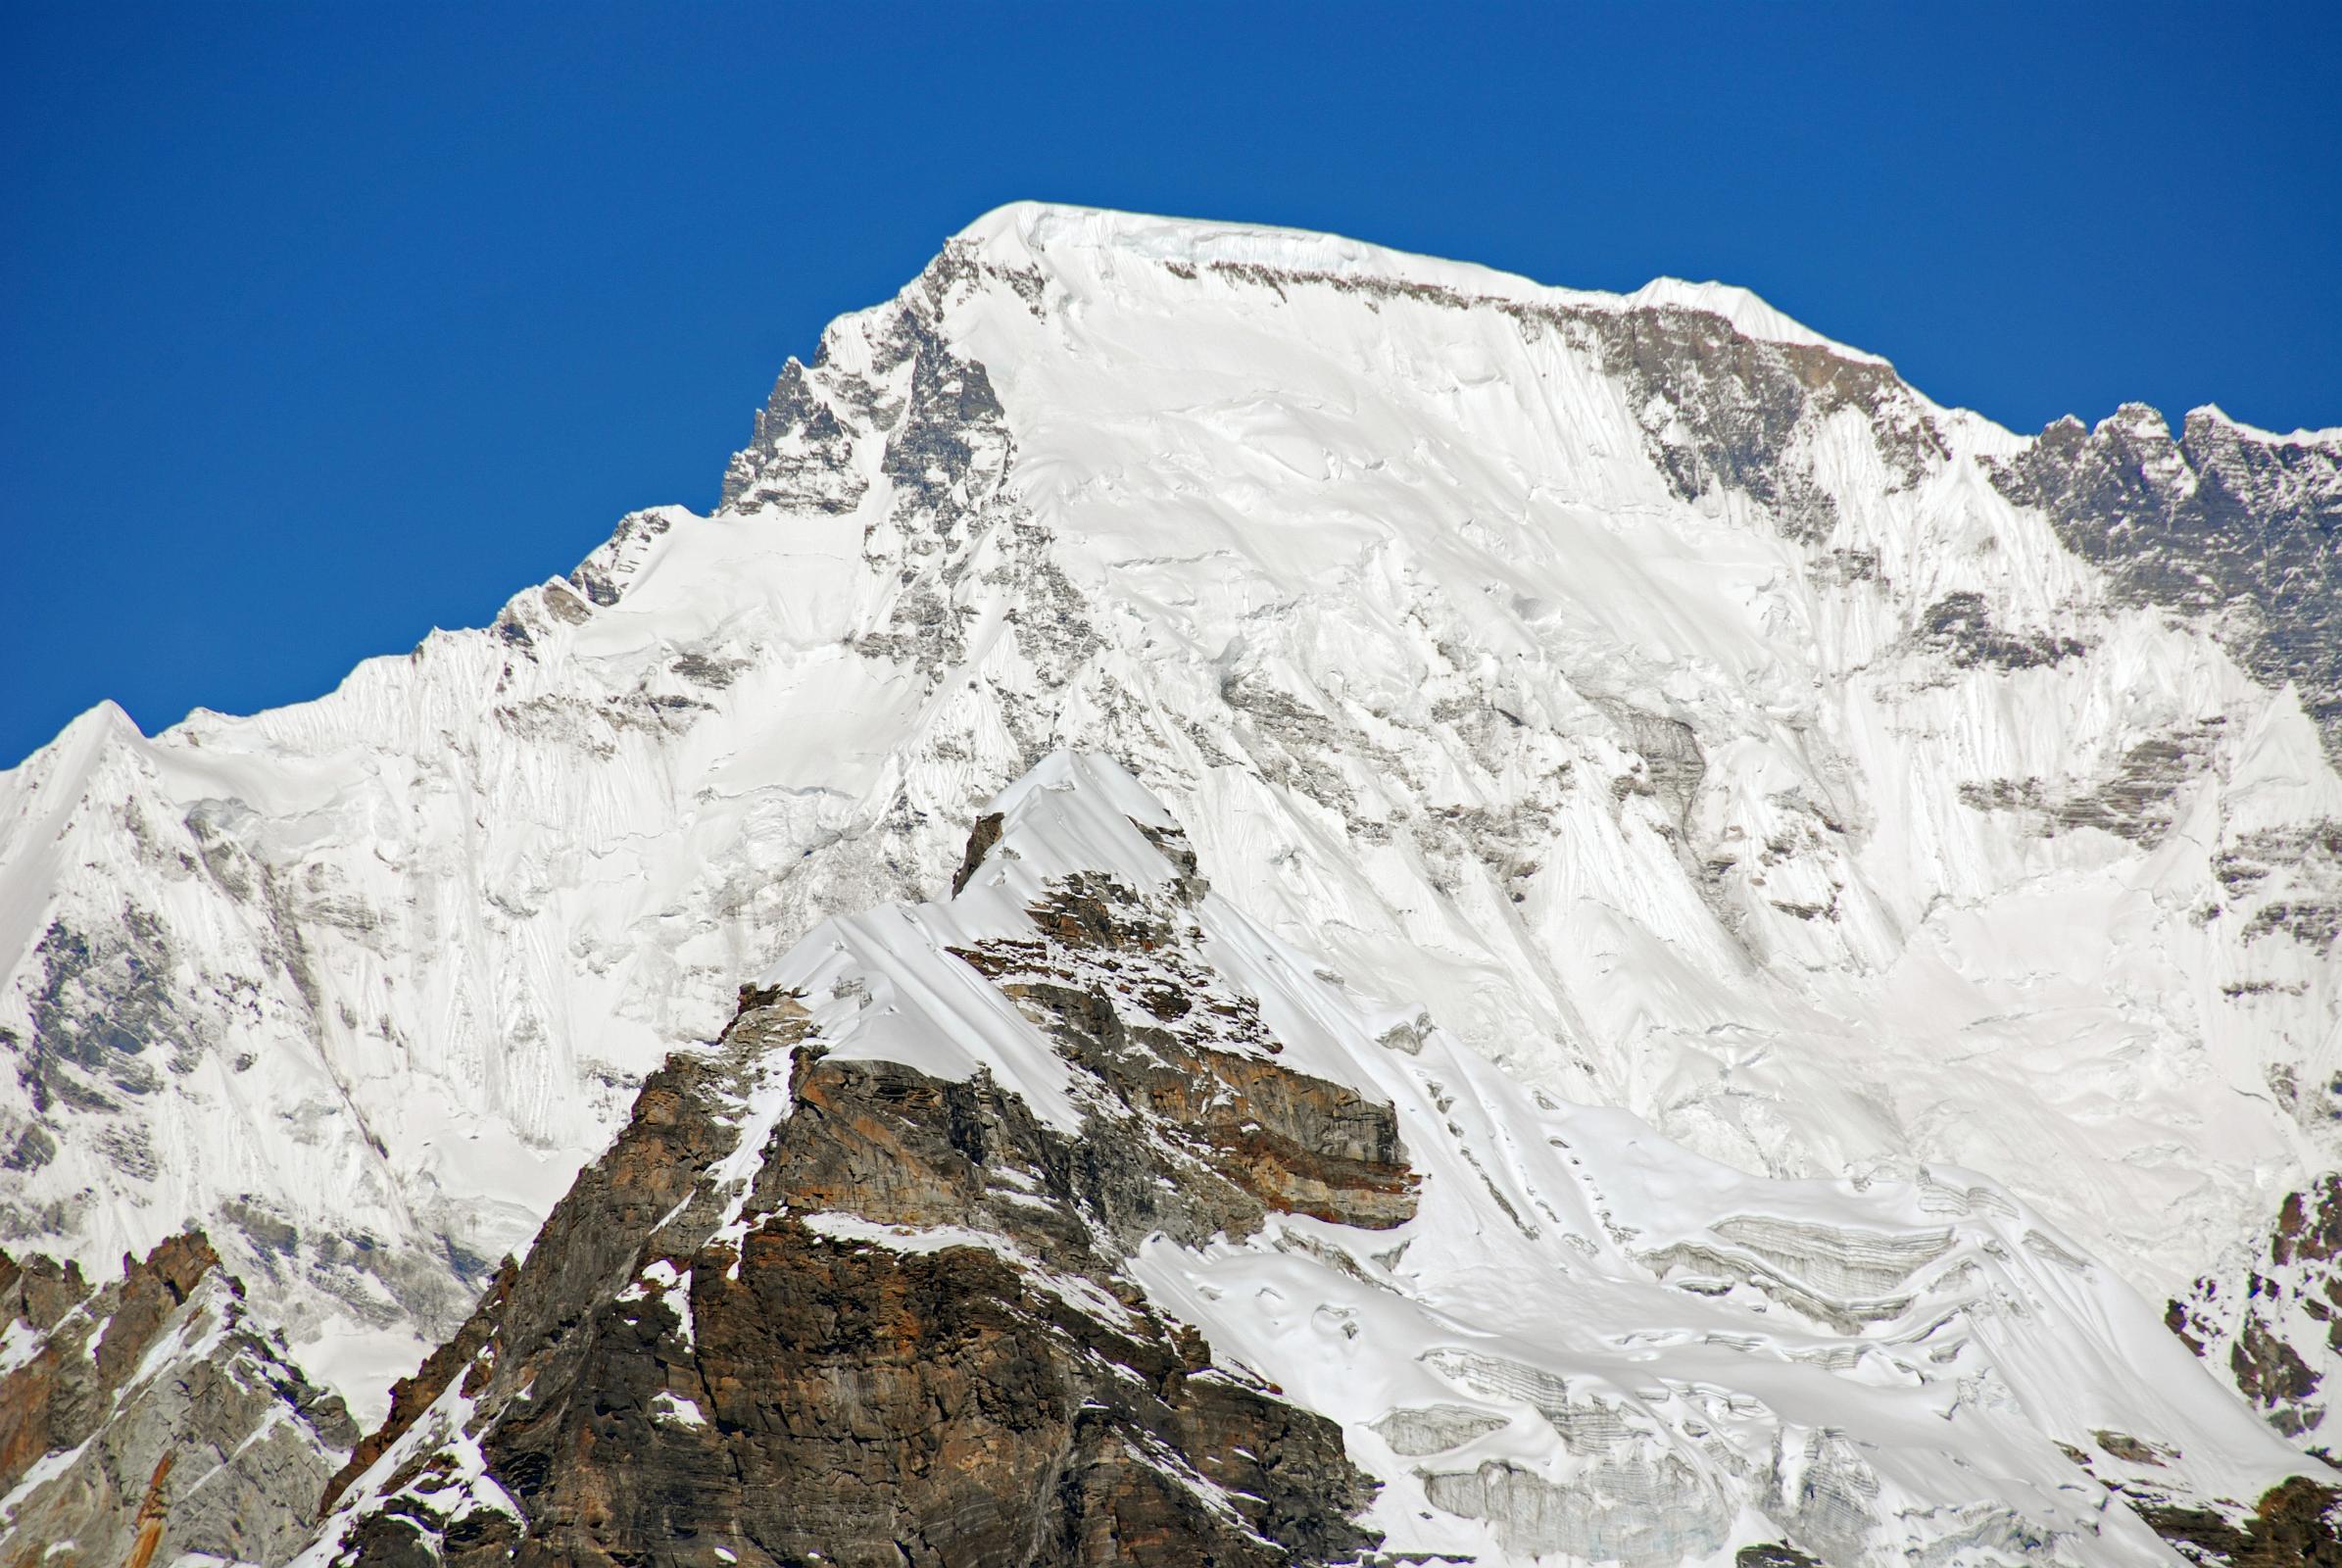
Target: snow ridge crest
1036, 234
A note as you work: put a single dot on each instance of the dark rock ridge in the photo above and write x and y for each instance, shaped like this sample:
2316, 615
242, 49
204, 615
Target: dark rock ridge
902, 1331
154, 1397
1962, 627
411, 1396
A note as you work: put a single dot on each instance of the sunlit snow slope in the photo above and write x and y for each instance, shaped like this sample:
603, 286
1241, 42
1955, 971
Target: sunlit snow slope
1691, 716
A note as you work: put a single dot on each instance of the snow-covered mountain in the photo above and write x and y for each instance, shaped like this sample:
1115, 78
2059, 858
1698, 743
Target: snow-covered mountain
1683, 712
1078, 1219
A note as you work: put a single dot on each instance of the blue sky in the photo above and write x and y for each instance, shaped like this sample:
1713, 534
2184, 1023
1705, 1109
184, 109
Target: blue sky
324, 326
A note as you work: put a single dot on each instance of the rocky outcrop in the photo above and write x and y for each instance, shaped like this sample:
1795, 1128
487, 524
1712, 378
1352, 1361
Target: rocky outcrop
1961, 626
154, 1414
2273, 1322
898, 1330
845, 1401
981, 838
1116, 983
2285, 882
2137, 800
2291, 1525
1722, 409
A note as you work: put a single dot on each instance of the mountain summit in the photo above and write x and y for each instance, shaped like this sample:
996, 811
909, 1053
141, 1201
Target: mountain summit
1642, 695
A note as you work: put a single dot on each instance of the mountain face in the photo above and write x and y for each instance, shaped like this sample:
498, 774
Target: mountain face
107, 1392
2225, 521
1642, 695
1078, 1220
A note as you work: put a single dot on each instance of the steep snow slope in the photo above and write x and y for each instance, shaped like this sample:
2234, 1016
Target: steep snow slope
1691, 716
1539, 1328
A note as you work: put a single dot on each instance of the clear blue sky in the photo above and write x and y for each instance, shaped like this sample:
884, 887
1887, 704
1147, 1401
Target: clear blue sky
325, 326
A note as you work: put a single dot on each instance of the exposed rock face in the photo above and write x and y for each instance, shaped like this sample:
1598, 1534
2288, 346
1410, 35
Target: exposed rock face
847, 1403
151, 1413
797, 454
2222, 520
2288, 882
2292, 1524
2274, 1321
1115, 982
1722, 409
1962, 627
702, 1354
981, 838
2139, 799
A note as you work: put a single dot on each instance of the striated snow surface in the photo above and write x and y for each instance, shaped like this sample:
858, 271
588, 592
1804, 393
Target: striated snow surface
1588, 1344
1670, 703
1590, 1341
